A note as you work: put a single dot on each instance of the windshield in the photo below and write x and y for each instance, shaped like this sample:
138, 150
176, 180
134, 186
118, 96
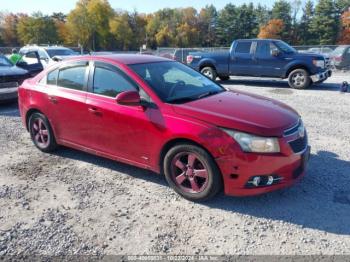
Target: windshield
339, 50
176, 83
4, 61
59, 52
285, 47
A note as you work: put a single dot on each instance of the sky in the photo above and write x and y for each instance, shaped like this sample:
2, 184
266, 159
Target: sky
142, 6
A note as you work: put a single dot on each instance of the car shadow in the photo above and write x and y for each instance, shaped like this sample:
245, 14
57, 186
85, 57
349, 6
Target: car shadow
279, 84
9, 109
110, 164
321, 201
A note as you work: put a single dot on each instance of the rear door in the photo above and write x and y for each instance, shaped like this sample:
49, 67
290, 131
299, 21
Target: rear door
68, 102
242, 58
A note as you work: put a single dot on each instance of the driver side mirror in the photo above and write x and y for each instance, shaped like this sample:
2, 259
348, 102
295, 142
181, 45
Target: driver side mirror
275, 52
129, 98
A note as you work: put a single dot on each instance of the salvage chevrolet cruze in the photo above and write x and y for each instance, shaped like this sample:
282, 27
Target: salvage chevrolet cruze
164, 116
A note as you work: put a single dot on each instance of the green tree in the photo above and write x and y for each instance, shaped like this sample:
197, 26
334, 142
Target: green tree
121, 31
100, 12
207, 20
263, 16
305, 32
9, 29
325, 23
236, 22
37, 29
88, 24
283, 10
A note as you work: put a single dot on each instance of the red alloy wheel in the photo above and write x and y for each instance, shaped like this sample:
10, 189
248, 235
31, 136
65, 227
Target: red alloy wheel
189, 173
40, 133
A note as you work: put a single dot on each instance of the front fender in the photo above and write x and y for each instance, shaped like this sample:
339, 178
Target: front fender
297, 64
207, 62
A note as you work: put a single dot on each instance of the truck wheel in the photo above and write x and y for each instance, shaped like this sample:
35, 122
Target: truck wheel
299, 79
224, 78
209, 72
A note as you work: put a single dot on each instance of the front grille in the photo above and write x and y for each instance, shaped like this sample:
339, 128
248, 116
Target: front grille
299, 144
327, 62
292, 130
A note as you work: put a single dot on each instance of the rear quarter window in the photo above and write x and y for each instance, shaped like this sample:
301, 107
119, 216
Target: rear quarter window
51, 78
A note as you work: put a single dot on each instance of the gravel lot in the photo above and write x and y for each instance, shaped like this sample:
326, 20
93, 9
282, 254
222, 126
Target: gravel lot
74, 203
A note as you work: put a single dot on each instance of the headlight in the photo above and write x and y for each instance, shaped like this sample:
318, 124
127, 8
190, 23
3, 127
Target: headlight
256, 144
319, 63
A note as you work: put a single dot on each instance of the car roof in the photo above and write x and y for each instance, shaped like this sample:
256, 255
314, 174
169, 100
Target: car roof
34, 47
127, 59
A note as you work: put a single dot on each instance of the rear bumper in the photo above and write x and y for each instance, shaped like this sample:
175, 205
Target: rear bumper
237, 171
8, 94
320, 77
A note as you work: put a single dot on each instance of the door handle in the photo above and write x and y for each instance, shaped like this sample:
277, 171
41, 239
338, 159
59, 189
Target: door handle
53, 99
94, 111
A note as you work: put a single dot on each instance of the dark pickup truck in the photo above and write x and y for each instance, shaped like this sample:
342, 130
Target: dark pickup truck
263, 58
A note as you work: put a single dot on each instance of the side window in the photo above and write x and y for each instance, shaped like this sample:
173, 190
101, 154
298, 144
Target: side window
30, 54
243, 47
51, 78
42, 54
110, 82
72, 77
265, 49
31, 58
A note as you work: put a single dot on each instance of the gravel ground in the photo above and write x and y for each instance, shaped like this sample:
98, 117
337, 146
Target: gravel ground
74, 203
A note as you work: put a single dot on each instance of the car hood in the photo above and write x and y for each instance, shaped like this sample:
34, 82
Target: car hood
12, 71
309, 55
242, 111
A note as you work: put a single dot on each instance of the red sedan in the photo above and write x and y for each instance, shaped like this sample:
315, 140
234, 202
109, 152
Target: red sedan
162, 115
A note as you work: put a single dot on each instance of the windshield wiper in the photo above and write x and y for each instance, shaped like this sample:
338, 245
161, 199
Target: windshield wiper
210, 93
181, 100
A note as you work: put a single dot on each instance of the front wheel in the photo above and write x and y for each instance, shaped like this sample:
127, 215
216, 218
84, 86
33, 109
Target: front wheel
192, 172
209, 72
299, 79
41, 133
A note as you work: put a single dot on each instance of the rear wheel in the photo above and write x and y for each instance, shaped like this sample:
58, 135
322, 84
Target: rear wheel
192, 172
209, 72
41, 133
299, 79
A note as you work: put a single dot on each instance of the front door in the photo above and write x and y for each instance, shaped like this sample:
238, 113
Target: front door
268, 64
117, 130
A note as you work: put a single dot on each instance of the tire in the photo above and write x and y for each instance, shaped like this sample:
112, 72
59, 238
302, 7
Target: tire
224, 78
299, 79
41, 133
209, 72
192, 172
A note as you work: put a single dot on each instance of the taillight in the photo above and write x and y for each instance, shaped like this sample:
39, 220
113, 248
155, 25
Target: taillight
338, 58
189, 59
